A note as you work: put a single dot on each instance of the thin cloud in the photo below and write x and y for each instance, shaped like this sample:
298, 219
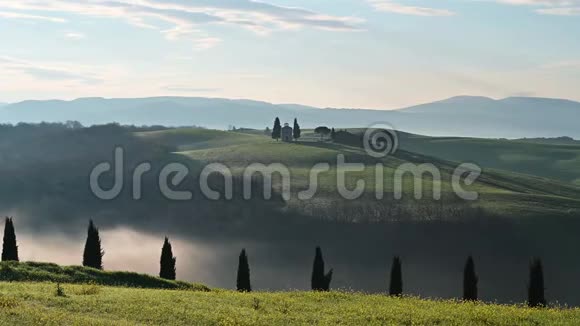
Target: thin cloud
186, 89
17, 15
562, 65
549, 7
206, 43
43, 71
75, 36
398, 8
550, 3
574, 11
186, 18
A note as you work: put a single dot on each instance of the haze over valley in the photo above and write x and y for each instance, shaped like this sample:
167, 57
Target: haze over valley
290, 162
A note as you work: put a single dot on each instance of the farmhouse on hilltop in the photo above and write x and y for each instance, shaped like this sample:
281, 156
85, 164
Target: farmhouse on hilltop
287, 133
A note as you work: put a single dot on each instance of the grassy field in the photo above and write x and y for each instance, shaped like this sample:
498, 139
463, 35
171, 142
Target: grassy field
504, 192
37, 304
544, 159
196, 138
48, 294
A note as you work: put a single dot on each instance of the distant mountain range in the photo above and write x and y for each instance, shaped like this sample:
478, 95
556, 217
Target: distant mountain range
513, 117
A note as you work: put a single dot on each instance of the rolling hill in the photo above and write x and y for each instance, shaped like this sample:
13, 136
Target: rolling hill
554, 160
43, 184
501, 191
515, 173
516, 117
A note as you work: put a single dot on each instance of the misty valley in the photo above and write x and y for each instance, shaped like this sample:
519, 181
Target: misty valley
289, 162
46, 188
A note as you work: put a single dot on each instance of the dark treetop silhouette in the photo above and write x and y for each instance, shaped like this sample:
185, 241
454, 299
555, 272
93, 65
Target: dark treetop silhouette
396, 286
93, 254
167, 270
470, 280
296, 130
243, 280
320, 281
536, 284
9, 247
277, 130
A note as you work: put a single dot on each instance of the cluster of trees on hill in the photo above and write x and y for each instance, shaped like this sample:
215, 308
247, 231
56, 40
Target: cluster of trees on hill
276, 131
320, 279
325, 131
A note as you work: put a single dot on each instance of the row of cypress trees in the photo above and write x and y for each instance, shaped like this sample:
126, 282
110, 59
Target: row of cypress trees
93, 252
320, 280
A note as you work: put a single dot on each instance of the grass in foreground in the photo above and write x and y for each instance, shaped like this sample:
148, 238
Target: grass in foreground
37, 303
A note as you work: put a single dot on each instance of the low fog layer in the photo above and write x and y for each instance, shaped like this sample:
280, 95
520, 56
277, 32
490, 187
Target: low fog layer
433, 257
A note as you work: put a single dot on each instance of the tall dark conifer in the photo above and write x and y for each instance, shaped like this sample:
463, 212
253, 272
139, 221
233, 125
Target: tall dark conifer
320, 281
327, 280
470, 280
93, 254
167, 262
396, 285
277, 130
296, 132
9, 247
243, 280
536, 285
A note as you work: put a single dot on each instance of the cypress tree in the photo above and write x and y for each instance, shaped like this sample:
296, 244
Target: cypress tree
243, 280
296, 130
470, 280
327, 280
277, 130
93, 254
167, 270
9, 247
332, 133
396, 286
320, 281
536, 285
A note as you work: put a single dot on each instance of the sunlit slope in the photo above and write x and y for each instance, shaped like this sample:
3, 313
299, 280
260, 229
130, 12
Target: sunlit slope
499, 191
555, 161
197, 138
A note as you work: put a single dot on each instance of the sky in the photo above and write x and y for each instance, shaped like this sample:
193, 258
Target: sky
377, 54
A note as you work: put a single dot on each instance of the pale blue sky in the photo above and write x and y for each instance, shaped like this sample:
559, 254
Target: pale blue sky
328, 53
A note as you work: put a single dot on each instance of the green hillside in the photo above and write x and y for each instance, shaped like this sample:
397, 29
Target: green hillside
196, 138
38, 304
48, 272
559, 161
502, 192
